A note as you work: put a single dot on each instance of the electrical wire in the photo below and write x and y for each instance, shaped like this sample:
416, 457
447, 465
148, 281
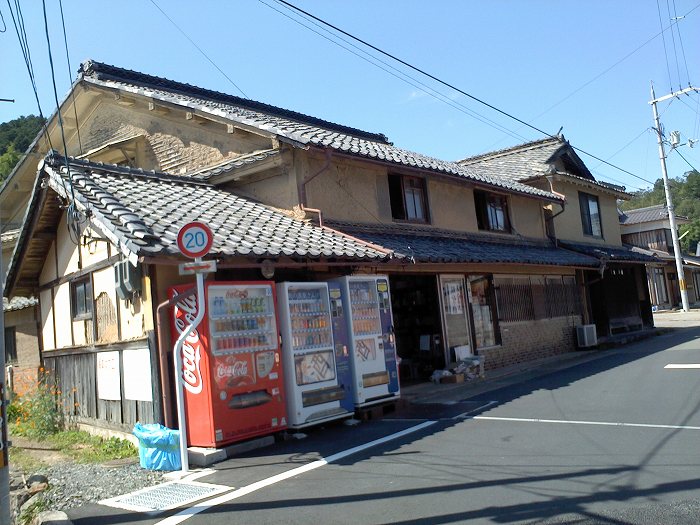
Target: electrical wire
675, 51
458, 90
4, 25
397, 73
663, 39
199, 49
686, 160
70, 76
680, 40
18, 24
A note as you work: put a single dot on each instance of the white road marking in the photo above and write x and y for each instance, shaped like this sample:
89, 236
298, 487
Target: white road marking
465, 415
691, 365
243, 491
600, 423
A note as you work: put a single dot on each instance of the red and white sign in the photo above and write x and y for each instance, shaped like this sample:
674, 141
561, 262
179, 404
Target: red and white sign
195, 239
185, 312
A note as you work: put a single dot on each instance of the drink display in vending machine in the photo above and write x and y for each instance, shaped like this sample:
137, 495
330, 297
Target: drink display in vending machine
232, 373
312, 387
370, 333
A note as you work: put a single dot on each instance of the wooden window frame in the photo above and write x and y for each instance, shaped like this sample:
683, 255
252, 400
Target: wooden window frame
584, 200
86, 312
486, 205
11, 348
401, 187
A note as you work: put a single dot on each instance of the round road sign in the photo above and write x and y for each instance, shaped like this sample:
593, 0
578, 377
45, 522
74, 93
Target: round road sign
195, 239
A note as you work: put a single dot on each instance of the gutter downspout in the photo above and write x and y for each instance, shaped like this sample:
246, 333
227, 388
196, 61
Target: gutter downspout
562, 204
165, 370
301, 188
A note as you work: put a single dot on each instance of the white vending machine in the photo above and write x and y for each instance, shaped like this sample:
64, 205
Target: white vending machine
313, 389
367, 300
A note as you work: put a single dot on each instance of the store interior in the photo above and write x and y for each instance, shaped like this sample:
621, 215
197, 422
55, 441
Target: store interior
416, 308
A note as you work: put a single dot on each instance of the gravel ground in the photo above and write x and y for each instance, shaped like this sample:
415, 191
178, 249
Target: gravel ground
73, 484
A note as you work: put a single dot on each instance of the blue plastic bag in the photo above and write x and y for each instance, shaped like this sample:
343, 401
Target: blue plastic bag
159, 446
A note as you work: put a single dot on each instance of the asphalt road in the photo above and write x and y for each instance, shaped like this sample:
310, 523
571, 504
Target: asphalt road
614, 440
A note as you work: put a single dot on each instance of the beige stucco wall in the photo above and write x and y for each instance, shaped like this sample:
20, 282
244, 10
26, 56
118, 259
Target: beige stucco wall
67, 252
62, 315
48, 272
568, 225
527, 216
170, 142
47, 328
451, 206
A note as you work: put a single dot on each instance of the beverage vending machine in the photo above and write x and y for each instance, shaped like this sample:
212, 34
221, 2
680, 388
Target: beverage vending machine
317, 379
231, 366
370, 325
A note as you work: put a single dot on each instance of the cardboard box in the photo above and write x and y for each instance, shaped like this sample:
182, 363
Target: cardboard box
454, 378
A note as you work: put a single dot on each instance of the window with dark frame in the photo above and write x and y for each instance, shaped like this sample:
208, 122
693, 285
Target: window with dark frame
492, 212
590, 214
10, 345
81, 298
408, 198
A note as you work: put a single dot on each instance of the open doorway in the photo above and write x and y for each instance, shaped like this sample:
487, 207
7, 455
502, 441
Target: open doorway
416, 308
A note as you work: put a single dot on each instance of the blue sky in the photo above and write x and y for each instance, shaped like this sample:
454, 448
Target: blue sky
585, 66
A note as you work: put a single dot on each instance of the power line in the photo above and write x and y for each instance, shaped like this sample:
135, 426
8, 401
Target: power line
70, 76
663, 39
199, 49
401, 75
686, 160
451, 86
675, 51
680, 40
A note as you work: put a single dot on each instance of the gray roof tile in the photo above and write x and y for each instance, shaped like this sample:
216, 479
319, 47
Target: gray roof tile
291, 126
244, 227
18, 303
648, 214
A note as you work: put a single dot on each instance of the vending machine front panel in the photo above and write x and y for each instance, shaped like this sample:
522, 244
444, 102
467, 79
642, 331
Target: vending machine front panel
341, 340
311, 384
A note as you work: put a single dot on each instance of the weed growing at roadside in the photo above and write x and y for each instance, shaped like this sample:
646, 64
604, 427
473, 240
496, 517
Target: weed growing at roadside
36, 414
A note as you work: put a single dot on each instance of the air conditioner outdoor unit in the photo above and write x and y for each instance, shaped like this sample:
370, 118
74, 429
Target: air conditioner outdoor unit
586, 335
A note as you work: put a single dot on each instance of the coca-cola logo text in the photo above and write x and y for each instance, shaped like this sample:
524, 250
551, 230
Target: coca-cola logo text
237, 369
191, 347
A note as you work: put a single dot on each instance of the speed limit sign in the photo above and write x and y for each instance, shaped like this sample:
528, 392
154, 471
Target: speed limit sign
195, 239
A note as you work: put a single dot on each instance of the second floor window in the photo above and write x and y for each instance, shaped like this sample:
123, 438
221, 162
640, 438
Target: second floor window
81, 298
590, 214
408, 198
491, 211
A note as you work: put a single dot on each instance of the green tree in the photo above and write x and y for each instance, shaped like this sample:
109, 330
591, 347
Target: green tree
20, 132
8, 160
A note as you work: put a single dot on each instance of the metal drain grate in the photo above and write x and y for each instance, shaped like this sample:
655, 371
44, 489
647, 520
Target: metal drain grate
164, 497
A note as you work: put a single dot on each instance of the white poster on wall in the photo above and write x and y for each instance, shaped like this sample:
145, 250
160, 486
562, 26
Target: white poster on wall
137, 375
108, 386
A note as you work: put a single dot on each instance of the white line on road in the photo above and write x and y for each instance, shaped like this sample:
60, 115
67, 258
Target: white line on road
691, 365
601, 423
465, 415
243, 491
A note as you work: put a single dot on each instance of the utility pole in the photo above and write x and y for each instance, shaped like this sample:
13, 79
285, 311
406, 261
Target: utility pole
4, 466
669, 200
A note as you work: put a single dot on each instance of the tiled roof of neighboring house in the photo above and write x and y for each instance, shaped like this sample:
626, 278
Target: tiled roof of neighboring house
531, 160
658, 212
443, 246
143, 211
610, 253
18, 303
295, 128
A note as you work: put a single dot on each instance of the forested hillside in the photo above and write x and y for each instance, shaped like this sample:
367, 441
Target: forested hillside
685, 192
15, 137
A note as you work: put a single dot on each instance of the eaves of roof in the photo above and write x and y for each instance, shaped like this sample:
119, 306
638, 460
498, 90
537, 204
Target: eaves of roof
287, 126
610, 254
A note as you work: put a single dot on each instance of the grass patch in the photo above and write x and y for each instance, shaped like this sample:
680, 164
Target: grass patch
24, 461
86, 448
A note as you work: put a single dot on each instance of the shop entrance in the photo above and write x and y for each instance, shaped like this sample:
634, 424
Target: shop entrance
416, 308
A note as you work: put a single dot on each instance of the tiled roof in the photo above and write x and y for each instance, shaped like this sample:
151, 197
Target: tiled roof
295, 128
442, 246
238, 162
658, 212
10, 236
608, 253
142, 213
531, 160
18, 303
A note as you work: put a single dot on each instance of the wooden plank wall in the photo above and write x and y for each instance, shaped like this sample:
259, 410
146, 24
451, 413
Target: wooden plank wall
76, 380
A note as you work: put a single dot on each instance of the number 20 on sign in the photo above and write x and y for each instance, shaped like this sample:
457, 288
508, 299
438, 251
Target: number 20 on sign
195, 239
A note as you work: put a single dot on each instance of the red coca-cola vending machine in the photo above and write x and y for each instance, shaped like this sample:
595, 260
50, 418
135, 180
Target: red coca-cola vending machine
231, 368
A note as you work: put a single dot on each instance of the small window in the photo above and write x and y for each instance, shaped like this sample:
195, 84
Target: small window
408, 198
81, 298
590, 215
10, 345
492, 212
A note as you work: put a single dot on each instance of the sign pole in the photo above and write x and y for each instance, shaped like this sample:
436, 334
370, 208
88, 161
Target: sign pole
179, 390
4, 459
194, 240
